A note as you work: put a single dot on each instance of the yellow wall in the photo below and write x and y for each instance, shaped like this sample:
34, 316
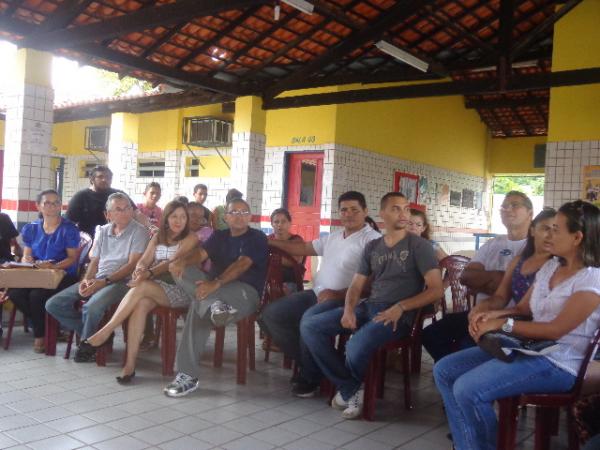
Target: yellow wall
68, 138
436, 131
2, 123
574, 111
301, 126
513, 156
249, 115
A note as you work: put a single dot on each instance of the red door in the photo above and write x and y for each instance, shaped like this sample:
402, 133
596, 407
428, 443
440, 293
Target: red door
305, 177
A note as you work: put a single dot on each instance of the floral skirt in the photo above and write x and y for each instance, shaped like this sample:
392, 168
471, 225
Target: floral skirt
177, 296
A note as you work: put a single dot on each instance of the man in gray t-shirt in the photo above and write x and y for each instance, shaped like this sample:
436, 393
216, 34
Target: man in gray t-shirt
117, 248
401, 265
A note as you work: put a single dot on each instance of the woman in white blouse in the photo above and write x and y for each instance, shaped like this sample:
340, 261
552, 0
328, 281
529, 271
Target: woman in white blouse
565, 304
152, 284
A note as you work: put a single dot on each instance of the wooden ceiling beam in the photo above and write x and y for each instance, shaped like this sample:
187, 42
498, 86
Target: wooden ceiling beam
402, 10
506, 103
473, 87
62, 16
143, 19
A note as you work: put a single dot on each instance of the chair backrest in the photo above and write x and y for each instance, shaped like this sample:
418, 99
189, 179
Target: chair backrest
452, 268
85, 245
590, 352
274, 281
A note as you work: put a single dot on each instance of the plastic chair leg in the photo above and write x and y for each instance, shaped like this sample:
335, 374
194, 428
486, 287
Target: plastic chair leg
11, 325
507, 423
242, 345
219, 345
50, 335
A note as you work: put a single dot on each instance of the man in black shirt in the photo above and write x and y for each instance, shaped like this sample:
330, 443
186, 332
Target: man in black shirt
87, 207
8, 233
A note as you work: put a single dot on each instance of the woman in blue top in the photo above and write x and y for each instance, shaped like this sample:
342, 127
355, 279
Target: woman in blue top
51, 243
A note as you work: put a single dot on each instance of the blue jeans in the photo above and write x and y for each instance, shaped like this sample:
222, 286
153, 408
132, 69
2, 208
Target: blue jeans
61, 306
471, 379
347, 372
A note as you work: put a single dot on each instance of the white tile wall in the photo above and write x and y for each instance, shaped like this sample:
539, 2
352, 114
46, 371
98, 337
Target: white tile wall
564, 168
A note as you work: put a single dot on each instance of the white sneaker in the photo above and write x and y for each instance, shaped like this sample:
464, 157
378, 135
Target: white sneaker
338, 402
183, 384
355, 406
220, 313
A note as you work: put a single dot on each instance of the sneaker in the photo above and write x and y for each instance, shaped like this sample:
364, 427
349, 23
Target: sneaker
338, 402
183, 384
85, 353
304, 389
296, 378
220, 313
355, 406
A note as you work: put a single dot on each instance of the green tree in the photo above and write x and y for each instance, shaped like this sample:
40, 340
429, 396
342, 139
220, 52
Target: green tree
125, 85
531, 185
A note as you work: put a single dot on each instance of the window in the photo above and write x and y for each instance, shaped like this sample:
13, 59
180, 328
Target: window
308, 175
86, 167
192, 167
151, 168
96, 138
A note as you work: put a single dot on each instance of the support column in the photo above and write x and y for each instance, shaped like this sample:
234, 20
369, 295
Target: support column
28, 135
574, 126
248, 153
123, 151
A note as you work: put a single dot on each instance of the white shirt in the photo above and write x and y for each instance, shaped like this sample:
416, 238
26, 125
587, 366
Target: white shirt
341, 257
496, 254
546, 304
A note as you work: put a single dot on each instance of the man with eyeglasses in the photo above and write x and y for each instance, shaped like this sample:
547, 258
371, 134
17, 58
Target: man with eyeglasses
87, 207
116, 250
228, 293
483, 275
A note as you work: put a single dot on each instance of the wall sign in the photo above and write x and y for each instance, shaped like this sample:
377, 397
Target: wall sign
303, 139
408, 184
443, 194
591, 184
468, 198
455, 198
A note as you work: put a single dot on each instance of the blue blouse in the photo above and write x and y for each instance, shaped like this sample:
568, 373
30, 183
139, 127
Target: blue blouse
51, 246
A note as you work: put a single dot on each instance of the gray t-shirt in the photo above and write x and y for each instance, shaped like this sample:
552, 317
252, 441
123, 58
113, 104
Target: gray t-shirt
397, 271
114, 250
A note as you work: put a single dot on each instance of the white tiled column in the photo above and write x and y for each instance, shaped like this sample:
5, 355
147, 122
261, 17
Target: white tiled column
28, 136
123, 152
248, 169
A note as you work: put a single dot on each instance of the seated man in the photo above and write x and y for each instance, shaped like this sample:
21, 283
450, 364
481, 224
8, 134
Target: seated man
341, 252
117, 248
483, 275
401, 264
230, 292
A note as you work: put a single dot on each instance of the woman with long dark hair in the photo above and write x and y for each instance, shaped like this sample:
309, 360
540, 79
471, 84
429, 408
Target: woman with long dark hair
419, 225
564, 302
50, 243
152, 284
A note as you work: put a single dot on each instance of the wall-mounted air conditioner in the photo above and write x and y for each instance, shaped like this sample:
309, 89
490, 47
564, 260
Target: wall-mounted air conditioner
96, 138
207, 132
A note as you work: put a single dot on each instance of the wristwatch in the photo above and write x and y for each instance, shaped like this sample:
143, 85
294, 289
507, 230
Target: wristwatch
507, 326
107, 281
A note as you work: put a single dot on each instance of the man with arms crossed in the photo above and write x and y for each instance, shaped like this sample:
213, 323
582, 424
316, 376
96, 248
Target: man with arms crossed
341, 252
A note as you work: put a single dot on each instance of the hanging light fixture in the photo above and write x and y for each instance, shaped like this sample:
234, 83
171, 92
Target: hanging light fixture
302, 5
402, 55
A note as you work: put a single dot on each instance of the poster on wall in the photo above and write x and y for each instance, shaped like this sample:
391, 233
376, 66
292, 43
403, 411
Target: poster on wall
468, 198
479, 200
455, 198
443, 194
423, 189
591, 184
408, 184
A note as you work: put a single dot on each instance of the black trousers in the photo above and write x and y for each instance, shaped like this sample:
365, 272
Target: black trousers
32, 302
447, 335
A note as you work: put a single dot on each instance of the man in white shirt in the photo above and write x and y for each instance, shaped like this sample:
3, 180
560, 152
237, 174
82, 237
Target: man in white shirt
341, 253
483, 275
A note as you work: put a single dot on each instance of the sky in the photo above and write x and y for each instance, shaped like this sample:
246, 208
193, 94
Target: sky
71, 81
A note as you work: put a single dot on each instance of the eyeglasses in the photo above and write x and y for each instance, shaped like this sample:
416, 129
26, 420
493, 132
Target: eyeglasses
121, 210
47, 204
238, 213
512, 205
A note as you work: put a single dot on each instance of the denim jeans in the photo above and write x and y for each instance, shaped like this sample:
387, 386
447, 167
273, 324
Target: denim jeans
471, 379
447, 335
85, 323
348, 371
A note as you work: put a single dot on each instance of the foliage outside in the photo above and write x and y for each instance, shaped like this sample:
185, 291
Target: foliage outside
530, 185
123, 86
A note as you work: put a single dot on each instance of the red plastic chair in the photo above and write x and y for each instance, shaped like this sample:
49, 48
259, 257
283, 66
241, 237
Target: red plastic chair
547, 410
167, 323
375, 377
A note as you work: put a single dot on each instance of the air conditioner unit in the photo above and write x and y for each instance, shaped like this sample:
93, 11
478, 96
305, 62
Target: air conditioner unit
207, 132
96, 139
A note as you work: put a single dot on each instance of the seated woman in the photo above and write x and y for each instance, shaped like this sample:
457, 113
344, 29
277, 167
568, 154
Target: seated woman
150, 208
521, 271
565, 304
152, 284
419, 225
51, 242
281, 220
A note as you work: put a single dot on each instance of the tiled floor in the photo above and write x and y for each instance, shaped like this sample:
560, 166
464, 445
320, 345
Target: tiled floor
51, 403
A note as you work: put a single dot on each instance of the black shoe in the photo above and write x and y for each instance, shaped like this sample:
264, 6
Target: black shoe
304, 389
296, 378
85, 353
126, 379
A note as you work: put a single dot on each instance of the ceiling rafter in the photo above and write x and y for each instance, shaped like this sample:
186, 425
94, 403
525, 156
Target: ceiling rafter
12, 7
505, 103
355, 40
144, 18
